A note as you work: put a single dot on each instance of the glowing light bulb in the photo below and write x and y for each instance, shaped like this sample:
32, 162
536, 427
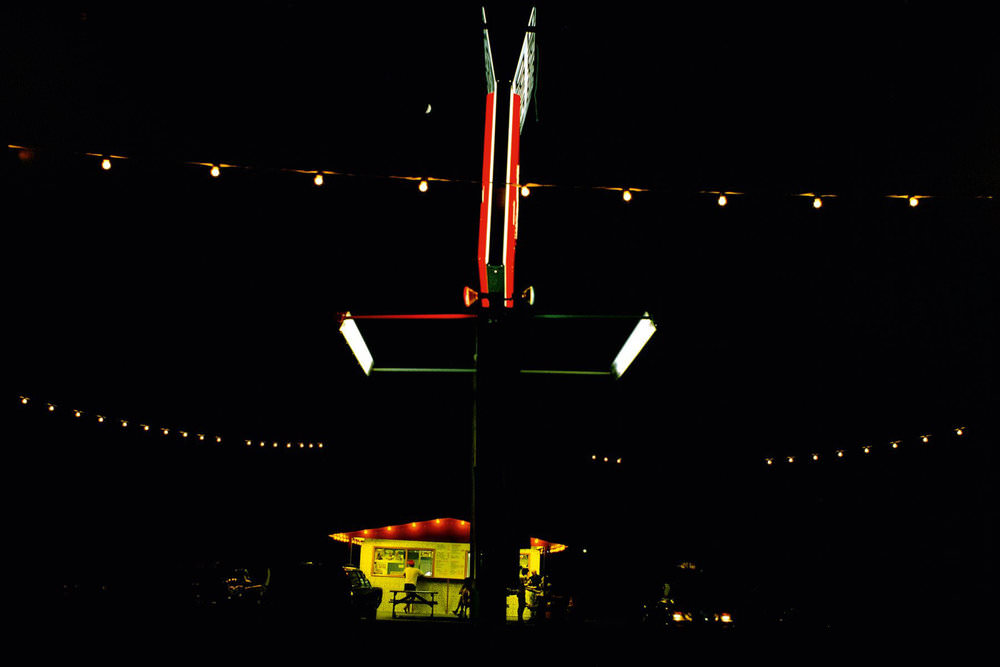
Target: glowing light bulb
76, 413
769, 461
106, 164
52, 409
215, 171
914, 201
815, 457
318, 179
840, 453
627, 195
722, 200
24, 400
925, 438
959, 430
817, 202
423, 186
100, 419
525, 191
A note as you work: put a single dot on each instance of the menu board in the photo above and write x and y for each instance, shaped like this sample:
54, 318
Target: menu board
452, 561
391, 561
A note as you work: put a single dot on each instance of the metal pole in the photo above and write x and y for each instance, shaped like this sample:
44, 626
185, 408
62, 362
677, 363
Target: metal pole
494, 549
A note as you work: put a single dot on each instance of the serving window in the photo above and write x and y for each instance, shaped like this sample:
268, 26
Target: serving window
391, 561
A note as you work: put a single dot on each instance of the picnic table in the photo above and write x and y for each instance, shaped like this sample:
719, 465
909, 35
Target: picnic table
413, 597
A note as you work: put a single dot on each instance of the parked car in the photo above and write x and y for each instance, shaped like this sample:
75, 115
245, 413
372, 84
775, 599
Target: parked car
313, 591
690, 599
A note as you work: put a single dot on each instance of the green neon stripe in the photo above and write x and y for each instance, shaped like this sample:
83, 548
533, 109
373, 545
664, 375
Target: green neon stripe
591, 317
554, 372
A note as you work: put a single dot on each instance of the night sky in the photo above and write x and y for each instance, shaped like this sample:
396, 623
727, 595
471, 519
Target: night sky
157, 293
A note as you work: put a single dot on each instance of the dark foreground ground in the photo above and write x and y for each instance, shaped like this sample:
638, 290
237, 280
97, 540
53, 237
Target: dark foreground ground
143, 639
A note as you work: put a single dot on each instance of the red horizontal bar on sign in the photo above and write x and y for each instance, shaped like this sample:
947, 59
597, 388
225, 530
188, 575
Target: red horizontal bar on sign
423, 316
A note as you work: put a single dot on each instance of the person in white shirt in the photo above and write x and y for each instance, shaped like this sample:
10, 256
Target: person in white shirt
410, 576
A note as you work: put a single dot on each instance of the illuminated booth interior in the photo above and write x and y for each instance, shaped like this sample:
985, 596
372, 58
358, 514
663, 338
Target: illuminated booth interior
439, 546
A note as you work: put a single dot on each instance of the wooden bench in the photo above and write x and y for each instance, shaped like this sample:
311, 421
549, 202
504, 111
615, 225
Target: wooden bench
413, 597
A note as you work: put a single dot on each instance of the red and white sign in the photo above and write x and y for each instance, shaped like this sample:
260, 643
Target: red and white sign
521, 90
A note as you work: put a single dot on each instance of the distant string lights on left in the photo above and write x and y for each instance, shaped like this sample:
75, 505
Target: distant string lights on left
165, 431
106, 161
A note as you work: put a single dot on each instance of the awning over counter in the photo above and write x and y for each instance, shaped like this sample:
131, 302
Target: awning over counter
431, 530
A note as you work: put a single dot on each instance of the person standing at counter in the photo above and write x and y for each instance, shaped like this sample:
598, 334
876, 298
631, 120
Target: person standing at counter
410, 576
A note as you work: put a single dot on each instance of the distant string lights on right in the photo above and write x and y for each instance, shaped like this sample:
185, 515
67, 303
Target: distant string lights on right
862, 450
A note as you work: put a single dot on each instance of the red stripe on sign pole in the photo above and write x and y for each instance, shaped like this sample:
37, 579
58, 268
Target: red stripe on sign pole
486, 205
418, 316
510, 212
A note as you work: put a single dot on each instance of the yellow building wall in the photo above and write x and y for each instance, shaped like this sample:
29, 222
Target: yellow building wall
449, 572
450, 569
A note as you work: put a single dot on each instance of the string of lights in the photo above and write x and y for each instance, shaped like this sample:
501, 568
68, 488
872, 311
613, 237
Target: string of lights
842, 454
166, 431
863, 450
722, 197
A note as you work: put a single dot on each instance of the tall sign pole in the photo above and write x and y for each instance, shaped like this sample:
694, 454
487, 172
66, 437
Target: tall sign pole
495, 541
496, 533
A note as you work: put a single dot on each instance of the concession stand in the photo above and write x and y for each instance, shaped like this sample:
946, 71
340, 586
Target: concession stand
440, 549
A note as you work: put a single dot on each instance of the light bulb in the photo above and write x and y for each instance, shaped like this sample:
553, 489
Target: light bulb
318, 180
215, 171
423, 186
722, 200
106, 164
627, 195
